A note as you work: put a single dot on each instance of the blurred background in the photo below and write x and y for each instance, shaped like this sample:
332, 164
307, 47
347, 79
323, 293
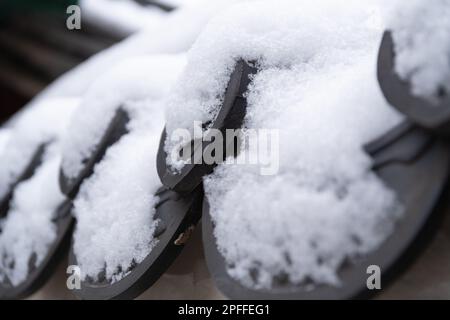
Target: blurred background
36, 47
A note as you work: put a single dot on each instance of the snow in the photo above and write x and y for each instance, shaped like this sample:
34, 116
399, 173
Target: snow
317, 83
136, 79
124, 16
38, 125
115, 206
4, 137
28, 230
421, 34
287, 38
140, 80
179, 3
316, 86
128, 16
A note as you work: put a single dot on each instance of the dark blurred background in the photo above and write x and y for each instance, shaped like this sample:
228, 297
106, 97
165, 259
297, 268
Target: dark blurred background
36, 47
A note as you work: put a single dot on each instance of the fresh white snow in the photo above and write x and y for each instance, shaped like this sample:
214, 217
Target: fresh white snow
136, 79
43, 123
123, 16
28, 229
317, 86
5, 134
129, 74
128, 16
421, 33
115, 206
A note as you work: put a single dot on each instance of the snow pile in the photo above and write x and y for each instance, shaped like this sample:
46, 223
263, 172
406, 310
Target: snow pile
115, 206
129, 16
39, 125
316, 83
279, 37
4, 137
421, 33
28, 230
124, 16
137, 79
178, 3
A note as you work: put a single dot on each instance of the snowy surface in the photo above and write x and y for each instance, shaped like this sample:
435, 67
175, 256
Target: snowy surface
318, 84
124, 16
286, 38
5, 134
28, 229
102, 83
128, 16
115, 206
421, 33
137, 79
179, 3
40, 124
